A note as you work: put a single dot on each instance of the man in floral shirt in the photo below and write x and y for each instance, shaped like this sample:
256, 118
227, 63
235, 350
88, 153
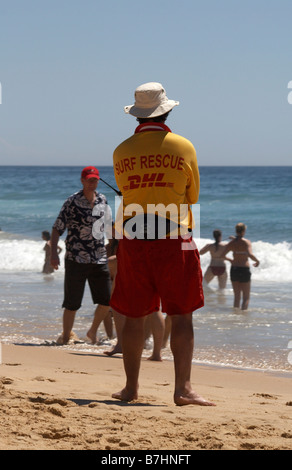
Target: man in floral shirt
86, 256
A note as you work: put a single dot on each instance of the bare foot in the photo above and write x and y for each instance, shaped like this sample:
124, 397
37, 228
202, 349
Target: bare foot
117, 349
91, 337
154, 358
62, 340
125, 395
191, 398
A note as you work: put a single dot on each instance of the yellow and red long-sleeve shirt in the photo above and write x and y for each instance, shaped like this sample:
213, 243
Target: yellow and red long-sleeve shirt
157, 167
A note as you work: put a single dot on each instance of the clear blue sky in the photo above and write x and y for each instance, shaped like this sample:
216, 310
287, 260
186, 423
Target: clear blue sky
68, 67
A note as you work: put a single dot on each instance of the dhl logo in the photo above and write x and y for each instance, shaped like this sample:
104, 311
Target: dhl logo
148, 181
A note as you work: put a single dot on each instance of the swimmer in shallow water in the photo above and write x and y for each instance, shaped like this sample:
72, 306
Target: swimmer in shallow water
217, 265
47, 268
240, 274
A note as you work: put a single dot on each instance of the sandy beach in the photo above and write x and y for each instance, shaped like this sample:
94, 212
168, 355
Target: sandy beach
55, 399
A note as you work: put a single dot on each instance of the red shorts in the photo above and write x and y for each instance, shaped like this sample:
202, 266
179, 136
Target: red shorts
154, 274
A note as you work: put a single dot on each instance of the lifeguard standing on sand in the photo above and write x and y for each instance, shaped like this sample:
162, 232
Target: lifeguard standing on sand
157, 173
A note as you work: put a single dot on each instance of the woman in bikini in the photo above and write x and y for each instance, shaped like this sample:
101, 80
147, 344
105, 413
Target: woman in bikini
240, 274
217, 265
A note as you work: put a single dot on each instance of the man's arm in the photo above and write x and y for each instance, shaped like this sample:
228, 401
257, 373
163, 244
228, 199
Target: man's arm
193, 187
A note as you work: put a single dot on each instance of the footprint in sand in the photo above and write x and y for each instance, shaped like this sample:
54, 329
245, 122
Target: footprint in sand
43, 379
58, 433
50, 401
6, 381
266, 395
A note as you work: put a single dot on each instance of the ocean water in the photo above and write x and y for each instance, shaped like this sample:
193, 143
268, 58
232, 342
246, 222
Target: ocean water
260, 197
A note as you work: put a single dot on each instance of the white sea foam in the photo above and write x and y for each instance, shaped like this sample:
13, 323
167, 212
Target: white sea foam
275, 260
17, 255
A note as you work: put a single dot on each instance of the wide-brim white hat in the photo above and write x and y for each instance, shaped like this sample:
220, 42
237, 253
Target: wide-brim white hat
150, 101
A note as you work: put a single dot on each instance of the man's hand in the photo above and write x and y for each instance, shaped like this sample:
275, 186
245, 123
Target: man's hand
55, 261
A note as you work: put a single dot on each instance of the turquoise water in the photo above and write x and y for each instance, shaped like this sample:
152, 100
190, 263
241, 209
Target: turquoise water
30, 303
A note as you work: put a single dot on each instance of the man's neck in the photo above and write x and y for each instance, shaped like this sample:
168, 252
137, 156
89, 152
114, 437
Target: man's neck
152, 126
90, 196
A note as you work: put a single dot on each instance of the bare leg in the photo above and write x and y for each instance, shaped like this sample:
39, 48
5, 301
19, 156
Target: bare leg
119, 319
112, 264
132, 344
156, 323
100, 313
182, 344
68, 322
167, 329
245, 287
157, 328
147, 327
108, 325
236, 291
208, 276
222, 280
119, 324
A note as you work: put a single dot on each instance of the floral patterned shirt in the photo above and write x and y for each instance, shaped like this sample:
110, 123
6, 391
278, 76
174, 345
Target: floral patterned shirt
78, 217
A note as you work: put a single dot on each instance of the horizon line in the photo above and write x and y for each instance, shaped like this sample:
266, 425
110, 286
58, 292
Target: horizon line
111, 166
